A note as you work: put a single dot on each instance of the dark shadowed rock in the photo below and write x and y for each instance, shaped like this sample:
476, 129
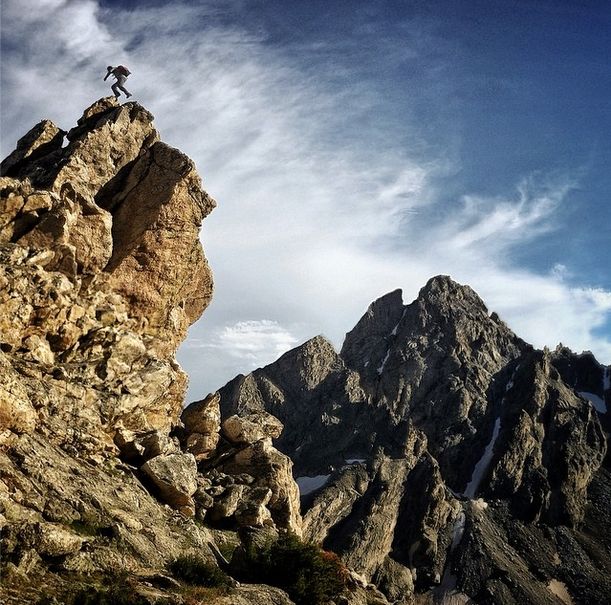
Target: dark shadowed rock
492, 418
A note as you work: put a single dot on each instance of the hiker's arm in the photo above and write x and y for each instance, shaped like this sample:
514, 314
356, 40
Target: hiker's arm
106, 76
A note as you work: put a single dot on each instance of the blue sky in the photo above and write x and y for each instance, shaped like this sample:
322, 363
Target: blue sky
356, 147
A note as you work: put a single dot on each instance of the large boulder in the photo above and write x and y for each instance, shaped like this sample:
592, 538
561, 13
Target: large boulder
249, 428
202, 421
175, 478
271, 469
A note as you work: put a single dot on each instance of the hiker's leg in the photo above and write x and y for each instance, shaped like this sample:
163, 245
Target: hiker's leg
120, 81
114, 89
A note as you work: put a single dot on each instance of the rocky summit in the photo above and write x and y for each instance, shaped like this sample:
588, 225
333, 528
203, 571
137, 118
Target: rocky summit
437, 458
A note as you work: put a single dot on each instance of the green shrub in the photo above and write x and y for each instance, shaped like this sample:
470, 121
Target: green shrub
116, 595
310, 575
194, 570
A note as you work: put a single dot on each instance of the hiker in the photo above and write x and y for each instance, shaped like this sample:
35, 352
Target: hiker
120, 73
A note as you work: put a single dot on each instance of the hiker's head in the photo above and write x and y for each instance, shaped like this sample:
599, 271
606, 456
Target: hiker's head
109, 68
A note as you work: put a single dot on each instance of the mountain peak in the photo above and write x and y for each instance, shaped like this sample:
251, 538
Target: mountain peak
443, 290
381, 317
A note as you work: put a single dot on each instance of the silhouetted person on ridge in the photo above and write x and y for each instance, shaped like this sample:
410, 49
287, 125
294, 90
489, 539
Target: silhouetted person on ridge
120, 73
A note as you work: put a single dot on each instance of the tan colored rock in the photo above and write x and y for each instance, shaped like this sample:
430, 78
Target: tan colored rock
174, 475
16, 410
251, 427
203, 416
80, 355
202, 423
252, 510
156, 221
55, 540
42, 139
109, 136
202, 446
47, 539
144, 445
273, 470
38, 350
75, 226
226, 504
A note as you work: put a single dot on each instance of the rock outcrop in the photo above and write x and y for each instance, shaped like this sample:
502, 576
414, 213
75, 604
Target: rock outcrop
101, 272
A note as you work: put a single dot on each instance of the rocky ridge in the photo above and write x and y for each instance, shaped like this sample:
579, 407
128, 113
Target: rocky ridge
434, 421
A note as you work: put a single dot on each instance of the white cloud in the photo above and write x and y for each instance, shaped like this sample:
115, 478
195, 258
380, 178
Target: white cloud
255, 341
322, 205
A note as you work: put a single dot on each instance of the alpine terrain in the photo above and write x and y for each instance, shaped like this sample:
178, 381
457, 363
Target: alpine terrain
437, 458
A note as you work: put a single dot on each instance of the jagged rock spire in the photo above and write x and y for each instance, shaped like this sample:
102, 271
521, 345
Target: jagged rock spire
103, 271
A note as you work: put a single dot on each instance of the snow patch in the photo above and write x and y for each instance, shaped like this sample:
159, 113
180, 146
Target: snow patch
458, 530
483, 463
595, 400
447, 584
394, 330
308, 484
381, 368
355, 460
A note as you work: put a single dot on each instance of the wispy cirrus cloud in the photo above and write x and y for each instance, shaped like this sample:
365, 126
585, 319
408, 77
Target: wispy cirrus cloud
497, 223
329, 195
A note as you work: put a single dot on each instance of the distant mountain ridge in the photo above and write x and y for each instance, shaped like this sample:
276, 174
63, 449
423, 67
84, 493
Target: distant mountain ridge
444, 404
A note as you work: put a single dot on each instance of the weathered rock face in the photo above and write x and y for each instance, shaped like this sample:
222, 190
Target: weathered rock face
101, 272
491, 416
549, 446
589, 378
82, 515
391, 521
435, 365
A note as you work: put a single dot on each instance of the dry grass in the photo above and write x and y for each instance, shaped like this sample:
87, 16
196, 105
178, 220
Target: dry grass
198, 595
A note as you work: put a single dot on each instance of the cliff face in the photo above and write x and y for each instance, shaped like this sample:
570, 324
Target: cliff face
102, 272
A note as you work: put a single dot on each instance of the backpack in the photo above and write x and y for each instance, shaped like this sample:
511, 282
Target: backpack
123, 70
